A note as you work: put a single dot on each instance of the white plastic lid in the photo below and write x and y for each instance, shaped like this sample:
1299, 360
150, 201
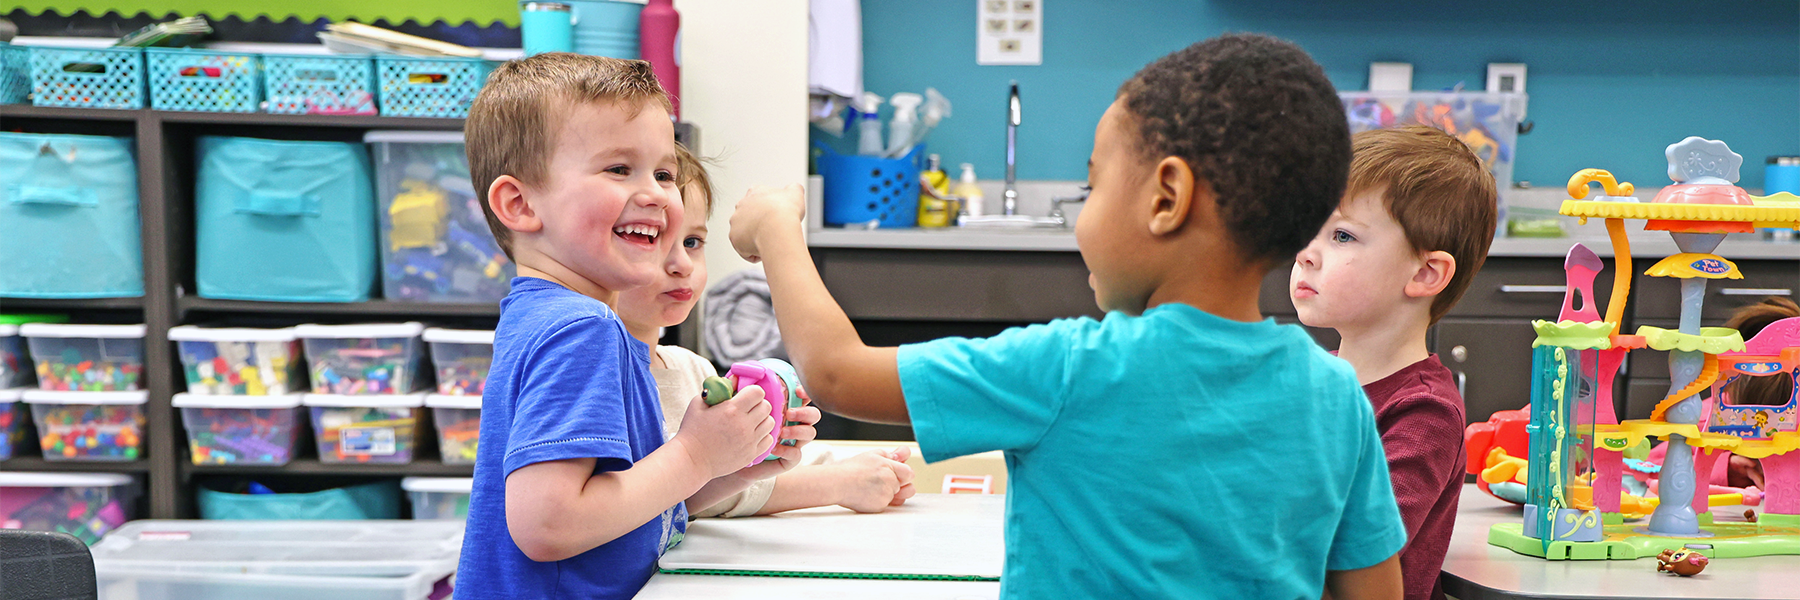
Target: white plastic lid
8, 330
74, 480
372, 330
186, 400
414, 137
450, 401
190, 333
370, 401
12, 395
122, 397
64, 330
459, 336
441, 485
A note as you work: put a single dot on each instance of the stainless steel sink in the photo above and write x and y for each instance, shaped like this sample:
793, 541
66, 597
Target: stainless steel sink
1010, 222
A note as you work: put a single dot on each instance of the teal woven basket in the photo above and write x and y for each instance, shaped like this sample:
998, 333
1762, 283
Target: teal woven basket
203, 80
320, 84
430, 87
15, 74
87, 77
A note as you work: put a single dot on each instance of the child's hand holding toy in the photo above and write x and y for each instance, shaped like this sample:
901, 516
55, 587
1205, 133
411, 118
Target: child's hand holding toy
787, 402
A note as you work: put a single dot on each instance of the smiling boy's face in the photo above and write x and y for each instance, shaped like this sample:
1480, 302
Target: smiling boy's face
609, 197
1355, 271
668, 299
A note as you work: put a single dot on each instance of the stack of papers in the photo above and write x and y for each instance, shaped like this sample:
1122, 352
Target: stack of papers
173, 34
357, 38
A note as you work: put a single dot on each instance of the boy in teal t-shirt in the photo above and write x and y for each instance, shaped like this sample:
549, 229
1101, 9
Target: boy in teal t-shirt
1183, 446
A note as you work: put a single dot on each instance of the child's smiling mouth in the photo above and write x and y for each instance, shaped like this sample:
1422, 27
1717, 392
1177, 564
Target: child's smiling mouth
638, 233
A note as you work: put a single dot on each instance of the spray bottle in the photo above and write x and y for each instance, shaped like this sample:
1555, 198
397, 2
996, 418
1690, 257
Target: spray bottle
900, 129
868, 124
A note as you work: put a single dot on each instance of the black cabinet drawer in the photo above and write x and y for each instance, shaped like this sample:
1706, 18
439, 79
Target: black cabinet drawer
1657, 298
1643, 394
938, 285
1274, 299
1524, 287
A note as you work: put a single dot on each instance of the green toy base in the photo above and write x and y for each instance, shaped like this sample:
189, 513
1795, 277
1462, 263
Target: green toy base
1622, 542
1779, 520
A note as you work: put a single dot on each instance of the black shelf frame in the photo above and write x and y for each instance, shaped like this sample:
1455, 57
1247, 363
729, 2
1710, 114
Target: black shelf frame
164, 142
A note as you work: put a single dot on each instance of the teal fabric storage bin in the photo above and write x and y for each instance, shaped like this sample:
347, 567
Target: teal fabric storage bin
284, 221
378, 500
69, 217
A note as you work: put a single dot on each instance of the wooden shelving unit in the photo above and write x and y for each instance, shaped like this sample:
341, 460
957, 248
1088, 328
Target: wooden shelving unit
165, 144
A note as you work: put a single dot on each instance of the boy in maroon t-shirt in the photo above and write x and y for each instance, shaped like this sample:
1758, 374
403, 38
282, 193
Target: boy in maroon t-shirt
1414, 227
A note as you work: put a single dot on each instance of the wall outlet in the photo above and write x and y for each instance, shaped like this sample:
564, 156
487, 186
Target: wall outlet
1390, 77
1009, 32
1506, 77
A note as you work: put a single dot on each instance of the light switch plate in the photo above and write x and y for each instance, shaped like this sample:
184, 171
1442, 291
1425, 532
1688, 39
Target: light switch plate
1009, 32
1390, 77
1506, 77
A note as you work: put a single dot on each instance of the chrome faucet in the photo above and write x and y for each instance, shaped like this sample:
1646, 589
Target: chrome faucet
1009, 204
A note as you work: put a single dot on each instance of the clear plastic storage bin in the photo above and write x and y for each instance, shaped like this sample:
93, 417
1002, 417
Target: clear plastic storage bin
458, 420
364, 359
105, 426
435, 241
240, 430
12, 421
232, 361
15, 359
462, 358
278, 560
438, 498
364, 429
86, 358
85, 505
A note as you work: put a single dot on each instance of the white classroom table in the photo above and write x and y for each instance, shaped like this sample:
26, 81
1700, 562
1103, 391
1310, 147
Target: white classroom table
932, 534
1475, 570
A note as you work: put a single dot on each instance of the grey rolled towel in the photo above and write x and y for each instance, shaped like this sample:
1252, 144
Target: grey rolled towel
740, 319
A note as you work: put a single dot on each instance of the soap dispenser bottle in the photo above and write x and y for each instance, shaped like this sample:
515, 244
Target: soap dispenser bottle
969, 192
868, 125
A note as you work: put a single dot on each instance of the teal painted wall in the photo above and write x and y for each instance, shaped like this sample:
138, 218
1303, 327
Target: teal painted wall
1611, 83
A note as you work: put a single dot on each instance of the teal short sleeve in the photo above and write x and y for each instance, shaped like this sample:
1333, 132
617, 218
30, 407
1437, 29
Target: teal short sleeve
1000, 393
1370, 530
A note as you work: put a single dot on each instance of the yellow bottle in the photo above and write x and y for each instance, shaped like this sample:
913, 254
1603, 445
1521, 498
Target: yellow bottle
934, 209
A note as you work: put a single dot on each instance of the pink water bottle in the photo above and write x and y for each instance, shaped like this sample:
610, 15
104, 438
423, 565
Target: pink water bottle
658, 26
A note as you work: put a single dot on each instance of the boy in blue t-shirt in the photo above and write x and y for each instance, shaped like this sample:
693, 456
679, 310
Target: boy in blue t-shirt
576, 495
1184, 446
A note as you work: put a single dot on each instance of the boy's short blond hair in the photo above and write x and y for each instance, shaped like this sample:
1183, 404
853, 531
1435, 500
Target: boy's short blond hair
1439, 192
513, 123
690, 174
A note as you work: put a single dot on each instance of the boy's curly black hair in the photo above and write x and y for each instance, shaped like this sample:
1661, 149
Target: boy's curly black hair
1255, 117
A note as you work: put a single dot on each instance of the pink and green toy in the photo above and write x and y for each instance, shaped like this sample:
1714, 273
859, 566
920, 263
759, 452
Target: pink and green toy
779, 382
1574, 505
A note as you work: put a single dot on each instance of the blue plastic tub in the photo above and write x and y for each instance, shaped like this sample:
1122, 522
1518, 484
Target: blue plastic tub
204, 80
284, 221
69, 217
15, 74
322, 84
860, 189
88, 77
430, 87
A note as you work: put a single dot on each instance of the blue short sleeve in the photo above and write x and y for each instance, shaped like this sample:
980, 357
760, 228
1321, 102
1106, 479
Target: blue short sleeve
566, 412
1370, 530
1000, 393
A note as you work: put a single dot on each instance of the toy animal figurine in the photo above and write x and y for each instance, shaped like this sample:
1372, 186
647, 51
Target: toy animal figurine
1683, 562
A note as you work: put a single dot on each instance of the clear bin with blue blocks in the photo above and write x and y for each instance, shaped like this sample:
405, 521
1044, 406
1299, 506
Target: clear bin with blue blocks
286, 221
69, 217
435, 242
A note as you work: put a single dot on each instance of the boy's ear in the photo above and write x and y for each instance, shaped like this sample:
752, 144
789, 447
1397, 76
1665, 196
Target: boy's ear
507, 199
1178, 194
1435, 270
